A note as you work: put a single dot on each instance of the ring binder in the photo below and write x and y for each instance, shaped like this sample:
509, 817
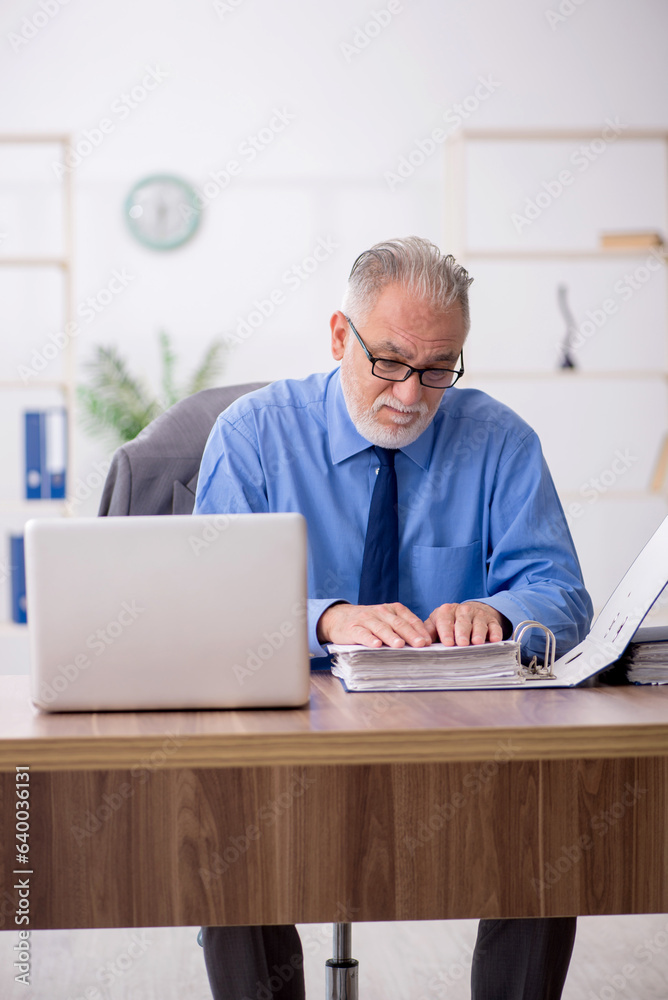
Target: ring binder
499, 664
439, 668
532, 671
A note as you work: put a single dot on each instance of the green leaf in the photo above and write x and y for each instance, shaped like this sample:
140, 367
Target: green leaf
111, 377
116, 405
112, 419
209, 368
168, 360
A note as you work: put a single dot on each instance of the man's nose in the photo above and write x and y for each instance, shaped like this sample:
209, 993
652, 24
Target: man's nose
408, 392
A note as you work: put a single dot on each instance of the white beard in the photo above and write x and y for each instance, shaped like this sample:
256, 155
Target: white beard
396, 435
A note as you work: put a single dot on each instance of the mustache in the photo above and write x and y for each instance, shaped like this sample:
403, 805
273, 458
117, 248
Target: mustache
388, 399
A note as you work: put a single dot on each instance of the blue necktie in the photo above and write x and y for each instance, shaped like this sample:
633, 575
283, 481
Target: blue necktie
379, 582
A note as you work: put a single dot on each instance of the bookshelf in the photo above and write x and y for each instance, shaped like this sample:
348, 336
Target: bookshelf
563, 239
18, 393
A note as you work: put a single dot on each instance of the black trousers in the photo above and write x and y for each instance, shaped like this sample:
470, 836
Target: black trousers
513, 960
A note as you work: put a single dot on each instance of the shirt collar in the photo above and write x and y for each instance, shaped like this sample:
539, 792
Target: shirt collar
346, 441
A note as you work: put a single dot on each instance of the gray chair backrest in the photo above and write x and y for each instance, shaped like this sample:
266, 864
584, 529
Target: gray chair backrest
157, 472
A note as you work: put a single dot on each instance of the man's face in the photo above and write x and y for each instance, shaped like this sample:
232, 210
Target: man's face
401, 327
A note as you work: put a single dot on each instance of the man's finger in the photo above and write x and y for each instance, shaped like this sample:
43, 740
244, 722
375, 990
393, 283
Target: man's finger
495, 631
463, 625
364, 636
443, 622
486, 622
480, 628
408, 625
386, 633
393, 624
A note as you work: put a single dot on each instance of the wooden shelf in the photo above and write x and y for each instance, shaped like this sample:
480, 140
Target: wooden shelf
63, 262
35, 262
457, 200
555, 134
564, 373
37, 137
13, 629
36, 384
547, 255
31, 506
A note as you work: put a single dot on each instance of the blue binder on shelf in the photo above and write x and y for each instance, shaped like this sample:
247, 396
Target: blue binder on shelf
18, 572
46, 454
55, 450
34, 460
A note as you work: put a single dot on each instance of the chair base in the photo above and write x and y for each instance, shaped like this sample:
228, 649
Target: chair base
341, 979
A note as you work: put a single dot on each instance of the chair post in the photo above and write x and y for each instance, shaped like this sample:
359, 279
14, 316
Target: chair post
341, 971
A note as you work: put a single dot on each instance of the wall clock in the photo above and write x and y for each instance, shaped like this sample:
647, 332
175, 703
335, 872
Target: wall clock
162, 211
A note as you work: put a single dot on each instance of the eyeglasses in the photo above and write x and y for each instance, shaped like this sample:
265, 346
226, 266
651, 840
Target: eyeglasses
398, 371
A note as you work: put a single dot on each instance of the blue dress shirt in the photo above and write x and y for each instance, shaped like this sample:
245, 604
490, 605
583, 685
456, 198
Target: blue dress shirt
479, 517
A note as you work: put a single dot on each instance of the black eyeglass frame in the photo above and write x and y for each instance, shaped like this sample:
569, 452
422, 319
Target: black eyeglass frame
411, 371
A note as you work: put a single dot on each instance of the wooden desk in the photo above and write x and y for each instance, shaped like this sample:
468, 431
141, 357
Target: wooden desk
360, 807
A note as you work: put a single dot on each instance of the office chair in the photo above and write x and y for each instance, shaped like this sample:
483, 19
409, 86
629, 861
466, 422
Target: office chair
156, 473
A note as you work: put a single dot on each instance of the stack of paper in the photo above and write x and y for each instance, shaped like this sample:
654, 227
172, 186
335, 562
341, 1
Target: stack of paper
646, 658
429, 668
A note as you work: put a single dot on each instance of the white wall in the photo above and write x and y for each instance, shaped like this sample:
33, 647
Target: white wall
354, 114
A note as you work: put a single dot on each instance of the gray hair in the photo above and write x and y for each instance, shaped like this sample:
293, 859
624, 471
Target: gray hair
415, 264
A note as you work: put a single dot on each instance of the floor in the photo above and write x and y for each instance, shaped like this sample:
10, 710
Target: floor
615, 958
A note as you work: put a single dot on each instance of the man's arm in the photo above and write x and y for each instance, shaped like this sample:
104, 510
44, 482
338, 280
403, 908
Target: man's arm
533, 572
232, 481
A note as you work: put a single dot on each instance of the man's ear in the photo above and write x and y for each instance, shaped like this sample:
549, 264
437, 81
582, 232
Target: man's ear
340, 330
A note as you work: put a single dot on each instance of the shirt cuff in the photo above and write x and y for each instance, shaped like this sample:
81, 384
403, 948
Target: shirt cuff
317, 608
533, 644
506, 605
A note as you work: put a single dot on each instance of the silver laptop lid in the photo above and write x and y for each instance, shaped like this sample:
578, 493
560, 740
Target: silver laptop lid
172, 612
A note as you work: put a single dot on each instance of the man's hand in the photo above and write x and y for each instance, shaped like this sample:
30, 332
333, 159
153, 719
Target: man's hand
372, 625
466, 624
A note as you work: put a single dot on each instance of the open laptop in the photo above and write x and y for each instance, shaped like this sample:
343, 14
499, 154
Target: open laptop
179, 612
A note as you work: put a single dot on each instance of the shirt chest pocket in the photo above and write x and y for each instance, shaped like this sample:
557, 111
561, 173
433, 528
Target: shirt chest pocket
445, 575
